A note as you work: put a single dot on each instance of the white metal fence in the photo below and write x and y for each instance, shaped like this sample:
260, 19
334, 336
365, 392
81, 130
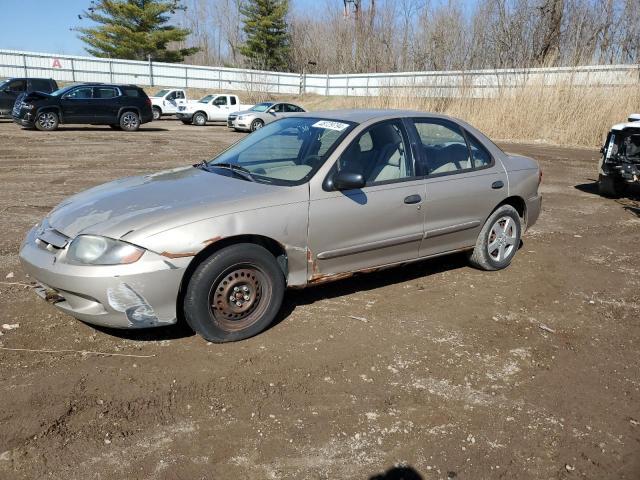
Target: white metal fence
477, 83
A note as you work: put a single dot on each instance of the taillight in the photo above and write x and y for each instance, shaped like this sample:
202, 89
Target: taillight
148, 101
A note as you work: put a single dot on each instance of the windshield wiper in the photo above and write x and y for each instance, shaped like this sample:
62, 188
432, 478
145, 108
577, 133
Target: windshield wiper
237, 169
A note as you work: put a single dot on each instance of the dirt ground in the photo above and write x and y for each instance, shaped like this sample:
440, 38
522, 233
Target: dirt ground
528, 373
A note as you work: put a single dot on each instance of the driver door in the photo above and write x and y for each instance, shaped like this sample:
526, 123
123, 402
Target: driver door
10, 93
77, 106
379, 224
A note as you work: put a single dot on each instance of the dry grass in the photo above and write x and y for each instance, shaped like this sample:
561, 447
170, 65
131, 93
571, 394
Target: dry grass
563, 115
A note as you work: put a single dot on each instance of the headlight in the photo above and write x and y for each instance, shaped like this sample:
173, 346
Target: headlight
94, 250
241, 117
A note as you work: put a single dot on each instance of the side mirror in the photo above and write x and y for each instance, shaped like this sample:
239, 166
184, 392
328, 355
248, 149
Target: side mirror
348, 181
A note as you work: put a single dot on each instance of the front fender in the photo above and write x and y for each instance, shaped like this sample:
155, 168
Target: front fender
284, 224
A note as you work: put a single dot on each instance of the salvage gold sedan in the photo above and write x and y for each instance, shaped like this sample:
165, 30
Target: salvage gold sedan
304, 200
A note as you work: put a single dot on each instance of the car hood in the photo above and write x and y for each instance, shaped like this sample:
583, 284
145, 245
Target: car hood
157, 202
248, 112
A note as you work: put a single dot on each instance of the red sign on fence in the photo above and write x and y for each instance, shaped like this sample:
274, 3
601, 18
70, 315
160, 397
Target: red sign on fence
56, 63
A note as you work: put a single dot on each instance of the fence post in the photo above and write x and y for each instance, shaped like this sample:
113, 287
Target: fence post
347, 85
150, 72
24, 64
301, 81
186, 77
110, 71
73, 71
326, 88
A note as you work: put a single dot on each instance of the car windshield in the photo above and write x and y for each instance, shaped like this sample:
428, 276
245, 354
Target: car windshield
160, 93
261, 107
206, 99
285, 152
61, 91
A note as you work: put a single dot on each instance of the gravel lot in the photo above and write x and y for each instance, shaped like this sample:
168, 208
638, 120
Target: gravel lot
528, 373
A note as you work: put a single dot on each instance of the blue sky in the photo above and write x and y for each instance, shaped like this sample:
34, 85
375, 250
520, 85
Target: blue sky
43, 25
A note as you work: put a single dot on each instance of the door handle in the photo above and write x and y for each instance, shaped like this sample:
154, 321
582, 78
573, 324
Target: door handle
413, 199
497, 185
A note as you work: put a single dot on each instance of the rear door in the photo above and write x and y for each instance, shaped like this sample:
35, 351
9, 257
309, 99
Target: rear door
9, 94
380, 224
463, 184
105, 104
77, 105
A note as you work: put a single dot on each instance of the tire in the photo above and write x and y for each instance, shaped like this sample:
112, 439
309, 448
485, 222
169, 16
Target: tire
496, 245
115, 126
199, 119
256, 125
157, 113
245, 271
129, 121
610, 186
47, 121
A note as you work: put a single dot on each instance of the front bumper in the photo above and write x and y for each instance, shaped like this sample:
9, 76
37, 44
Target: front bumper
27, 120
184, 116
139, 295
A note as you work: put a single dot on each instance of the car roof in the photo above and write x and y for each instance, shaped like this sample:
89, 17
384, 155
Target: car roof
365, 115
624, 126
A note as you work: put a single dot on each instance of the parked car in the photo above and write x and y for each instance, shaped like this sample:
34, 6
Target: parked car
212, 108
620, 161
123, 107
261, 114
304, 200
166, 102
11, 88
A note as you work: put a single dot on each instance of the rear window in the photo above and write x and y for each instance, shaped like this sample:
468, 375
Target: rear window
41, 85
132, 92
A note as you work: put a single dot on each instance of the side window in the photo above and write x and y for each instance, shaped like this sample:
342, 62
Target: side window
179, 95
290, 108
380, 154
480, 156
220, 101
171, 96
79, 93
131, 92
444, 147
103, 92
17, 86
233, 100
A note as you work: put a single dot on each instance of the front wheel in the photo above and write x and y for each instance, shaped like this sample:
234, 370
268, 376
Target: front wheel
47, 121
157, 113
234, 294
129, 121
498, 240
610, 186
199, 119
256, 125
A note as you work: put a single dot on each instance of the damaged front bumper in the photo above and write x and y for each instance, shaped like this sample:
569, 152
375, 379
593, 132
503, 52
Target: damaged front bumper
138, 295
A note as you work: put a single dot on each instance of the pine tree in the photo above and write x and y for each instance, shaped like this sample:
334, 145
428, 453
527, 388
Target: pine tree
134, 29
267, 45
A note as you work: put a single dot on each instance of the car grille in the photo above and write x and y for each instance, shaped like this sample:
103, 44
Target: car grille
182, 108
16, 108
230, 120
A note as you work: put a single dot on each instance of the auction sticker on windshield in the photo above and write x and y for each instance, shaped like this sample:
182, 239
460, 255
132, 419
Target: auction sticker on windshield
338, 126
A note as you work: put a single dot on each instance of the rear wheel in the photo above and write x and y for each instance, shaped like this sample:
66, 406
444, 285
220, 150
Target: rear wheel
234, 294
129, 121
199, 119
498, 240
157, 113
47, 121
256, 125
610, 186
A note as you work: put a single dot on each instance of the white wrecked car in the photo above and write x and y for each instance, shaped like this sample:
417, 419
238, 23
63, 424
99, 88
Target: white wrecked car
620, 161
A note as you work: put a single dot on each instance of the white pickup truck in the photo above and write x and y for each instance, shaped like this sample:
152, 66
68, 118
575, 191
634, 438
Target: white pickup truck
211, 108
166, 102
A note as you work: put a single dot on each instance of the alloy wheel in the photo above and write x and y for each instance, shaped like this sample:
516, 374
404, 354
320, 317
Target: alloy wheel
502, 238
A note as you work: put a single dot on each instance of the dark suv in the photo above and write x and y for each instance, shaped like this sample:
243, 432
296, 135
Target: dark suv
11, 88
123, 107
